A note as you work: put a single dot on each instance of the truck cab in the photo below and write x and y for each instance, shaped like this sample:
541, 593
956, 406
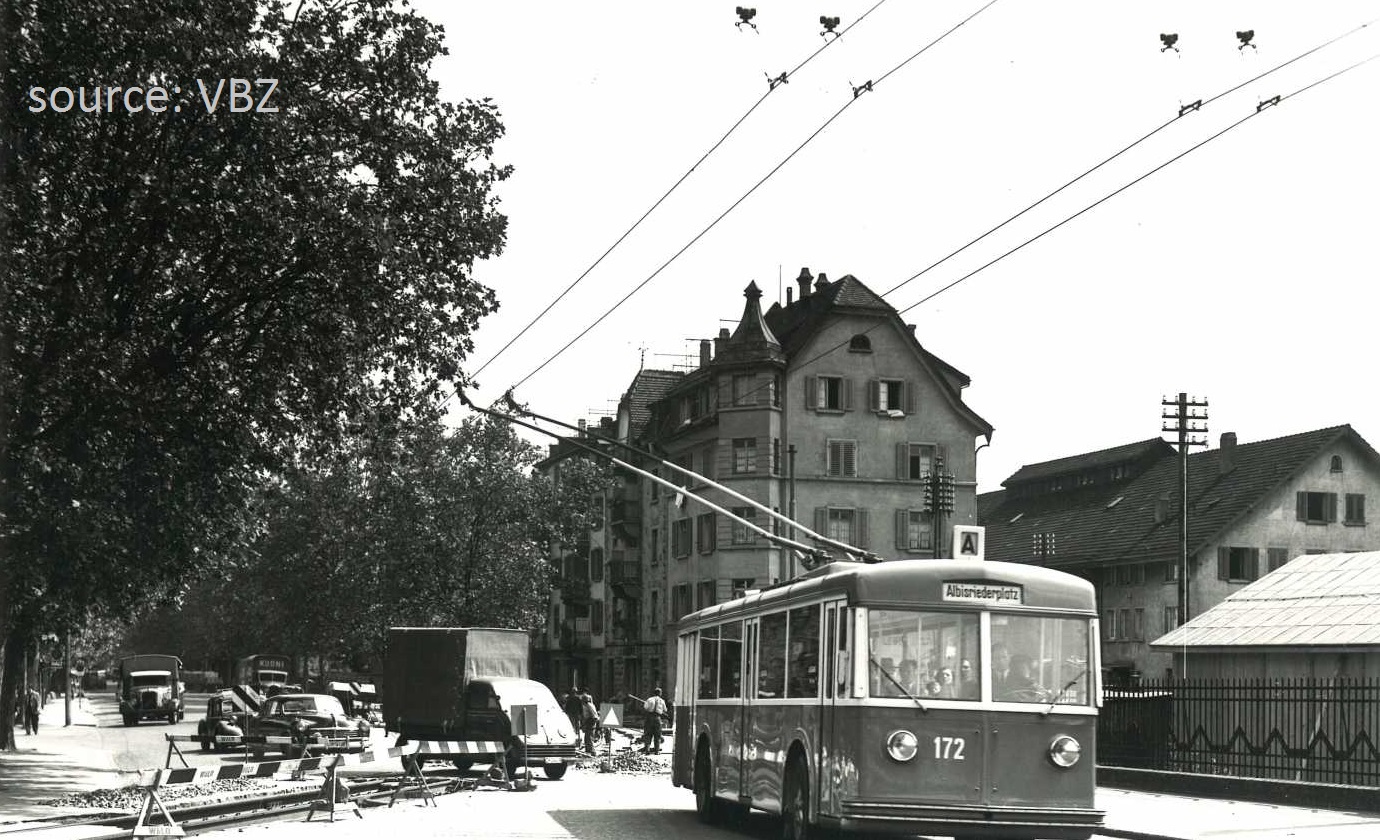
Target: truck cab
151, 688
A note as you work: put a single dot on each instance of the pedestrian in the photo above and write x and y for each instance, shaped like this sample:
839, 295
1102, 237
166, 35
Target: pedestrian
589, 721
33, 706
570, 704
655, 710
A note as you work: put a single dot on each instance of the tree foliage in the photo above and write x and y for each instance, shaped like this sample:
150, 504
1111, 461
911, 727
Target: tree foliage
429, 528
192, 298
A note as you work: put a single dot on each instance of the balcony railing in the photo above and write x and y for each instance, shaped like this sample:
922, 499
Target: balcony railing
625, 572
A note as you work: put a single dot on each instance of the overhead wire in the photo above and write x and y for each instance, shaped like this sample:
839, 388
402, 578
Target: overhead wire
771, 89
1150, 134
869, 86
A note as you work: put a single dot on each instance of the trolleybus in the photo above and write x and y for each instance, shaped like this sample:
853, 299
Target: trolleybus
951, 697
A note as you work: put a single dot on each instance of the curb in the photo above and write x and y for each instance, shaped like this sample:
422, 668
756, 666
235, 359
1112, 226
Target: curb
1130, 834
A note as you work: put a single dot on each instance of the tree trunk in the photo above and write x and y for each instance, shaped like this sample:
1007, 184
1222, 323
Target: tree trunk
11, 677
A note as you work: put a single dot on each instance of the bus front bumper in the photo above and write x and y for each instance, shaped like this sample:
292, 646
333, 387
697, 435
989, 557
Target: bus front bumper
991, 821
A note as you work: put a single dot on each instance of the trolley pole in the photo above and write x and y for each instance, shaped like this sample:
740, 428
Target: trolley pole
1183, 412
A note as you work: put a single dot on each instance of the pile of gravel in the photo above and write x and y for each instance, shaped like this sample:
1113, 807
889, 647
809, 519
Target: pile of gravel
131, 798
630, 762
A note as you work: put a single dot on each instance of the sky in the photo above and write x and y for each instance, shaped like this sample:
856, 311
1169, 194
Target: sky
1241, 273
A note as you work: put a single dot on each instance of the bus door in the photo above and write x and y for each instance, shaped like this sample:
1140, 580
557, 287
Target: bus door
837, 670
731, 769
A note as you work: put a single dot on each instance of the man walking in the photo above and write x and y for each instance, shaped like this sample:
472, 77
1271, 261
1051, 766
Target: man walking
33, 705
655, 709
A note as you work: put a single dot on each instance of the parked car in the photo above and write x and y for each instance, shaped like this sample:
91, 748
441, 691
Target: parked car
221, 719
315, 721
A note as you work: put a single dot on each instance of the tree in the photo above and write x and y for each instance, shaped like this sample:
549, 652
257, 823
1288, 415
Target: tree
429, 528
194, 297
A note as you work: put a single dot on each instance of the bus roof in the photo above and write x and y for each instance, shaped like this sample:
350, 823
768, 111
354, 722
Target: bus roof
1014, 587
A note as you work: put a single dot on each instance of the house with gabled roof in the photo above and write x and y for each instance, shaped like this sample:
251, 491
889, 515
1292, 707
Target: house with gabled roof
1113, 517
825, 408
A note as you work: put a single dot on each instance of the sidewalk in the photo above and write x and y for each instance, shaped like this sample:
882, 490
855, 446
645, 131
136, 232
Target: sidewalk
62, 759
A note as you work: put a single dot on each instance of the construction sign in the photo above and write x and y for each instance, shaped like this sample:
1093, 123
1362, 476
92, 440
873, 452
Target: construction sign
524, 718
610, 714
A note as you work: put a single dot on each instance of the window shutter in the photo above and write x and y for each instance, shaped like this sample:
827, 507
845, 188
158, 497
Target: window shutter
713, 531
847, 395
1302, 505
942, 453
874, 395
822, 521
1223, 563
902, 450
909, 395
850, 457
902, 531
811, 391
1331, 507
1253, 573
861, 540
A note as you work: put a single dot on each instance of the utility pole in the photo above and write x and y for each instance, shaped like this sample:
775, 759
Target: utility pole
1183, 412
790, 502
938, 499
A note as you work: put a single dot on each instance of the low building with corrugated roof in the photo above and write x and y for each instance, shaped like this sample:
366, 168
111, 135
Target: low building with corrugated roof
1316, 617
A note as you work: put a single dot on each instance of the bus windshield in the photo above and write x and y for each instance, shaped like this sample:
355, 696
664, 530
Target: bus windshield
1040, 659
915, 653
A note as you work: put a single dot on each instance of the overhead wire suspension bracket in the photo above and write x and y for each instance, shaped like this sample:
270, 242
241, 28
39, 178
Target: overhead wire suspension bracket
1192, 106
859, 90
778, 80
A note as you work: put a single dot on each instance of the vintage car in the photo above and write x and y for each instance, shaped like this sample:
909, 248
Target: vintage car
315, 722
222, 719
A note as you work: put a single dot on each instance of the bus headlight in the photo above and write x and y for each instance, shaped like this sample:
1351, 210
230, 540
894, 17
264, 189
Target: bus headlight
1065, 751
902, 745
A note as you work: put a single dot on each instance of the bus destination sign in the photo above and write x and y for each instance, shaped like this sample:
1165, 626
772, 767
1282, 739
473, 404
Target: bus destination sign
981, 593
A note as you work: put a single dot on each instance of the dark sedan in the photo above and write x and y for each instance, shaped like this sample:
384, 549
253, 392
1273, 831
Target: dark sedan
222, 721
314, 722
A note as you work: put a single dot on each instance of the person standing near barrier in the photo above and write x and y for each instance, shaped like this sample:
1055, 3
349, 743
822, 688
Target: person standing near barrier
654, 709
589, 720
33, 706
570, 704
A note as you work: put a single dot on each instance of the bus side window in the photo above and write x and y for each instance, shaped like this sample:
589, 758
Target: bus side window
771, 682
804, 661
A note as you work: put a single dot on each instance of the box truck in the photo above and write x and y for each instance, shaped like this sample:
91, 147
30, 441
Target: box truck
456, 684
150, 687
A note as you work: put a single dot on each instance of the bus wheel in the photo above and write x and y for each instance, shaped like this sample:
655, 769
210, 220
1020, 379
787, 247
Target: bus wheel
554, 771
706, 807
795, 802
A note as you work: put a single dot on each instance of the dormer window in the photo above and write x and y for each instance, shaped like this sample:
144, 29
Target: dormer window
860, 343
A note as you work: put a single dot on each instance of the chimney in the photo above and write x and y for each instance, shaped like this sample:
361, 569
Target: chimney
704, 352
1226, 457
581, 424
821, 281
1161, 508
911, 327
804, 281
720, 340
790, 290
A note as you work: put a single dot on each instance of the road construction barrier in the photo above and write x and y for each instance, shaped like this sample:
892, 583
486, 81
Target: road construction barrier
152, 780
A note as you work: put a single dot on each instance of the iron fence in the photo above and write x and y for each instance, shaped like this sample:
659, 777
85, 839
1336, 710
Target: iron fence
1300, 730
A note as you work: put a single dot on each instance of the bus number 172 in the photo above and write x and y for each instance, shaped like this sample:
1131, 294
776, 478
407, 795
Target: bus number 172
948, 748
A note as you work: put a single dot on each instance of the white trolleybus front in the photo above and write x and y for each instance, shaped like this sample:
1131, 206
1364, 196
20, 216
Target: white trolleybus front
950, 697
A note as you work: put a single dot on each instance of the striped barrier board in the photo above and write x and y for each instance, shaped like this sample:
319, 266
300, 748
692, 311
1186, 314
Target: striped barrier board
244, 699
264, 769
460, 747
